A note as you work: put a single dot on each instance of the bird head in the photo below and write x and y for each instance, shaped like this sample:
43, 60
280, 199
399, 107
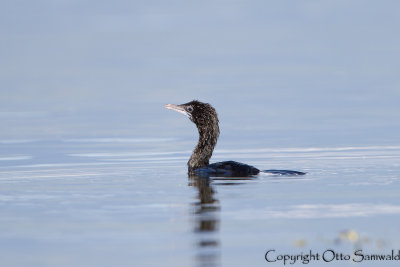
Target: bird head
201, 114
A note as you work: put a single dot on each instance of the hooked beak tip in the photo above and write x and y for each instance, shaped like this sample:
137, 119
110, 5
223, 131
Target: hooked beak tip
169, 106
177, 108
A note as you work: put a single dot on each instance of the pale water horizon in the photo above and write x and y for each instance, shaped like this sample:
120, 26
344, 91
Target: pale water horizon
93, 167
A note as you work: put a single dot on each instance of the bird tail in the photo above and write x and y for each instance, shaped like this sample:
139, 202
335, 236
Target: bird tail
283, 172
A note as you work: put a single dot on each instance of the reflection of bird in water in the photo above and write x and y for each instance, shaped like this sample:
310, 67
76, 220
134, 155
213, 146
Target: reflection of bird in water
206, 120
207, 205
206, 222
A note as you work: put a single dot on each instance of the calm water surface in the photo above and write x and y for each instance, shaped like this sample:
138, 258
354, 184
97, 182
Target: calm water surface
129, 202
93, 168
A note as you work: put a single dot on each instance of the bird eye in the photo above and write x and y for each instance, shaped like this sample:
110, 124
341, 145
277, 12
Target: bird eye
189, 108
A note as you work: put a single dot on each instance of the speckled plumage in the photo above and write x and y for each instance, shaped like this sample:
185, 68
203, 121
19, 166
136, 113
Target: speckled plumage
206, 119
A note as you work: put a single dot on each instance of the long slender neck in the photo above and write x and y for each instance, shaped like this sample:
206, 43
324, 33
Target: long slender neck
208, 136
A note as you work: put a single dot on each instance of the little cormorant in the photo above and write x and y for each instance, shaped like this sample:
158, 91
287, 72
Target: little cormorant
206, 119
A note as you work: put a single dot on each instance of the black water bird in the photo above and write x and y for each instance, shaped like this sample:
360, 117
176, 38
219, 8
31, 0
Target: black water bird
206, 119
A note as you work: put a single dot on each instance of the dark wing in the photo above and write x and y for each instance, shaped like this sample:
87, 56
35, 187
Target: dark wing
227, 169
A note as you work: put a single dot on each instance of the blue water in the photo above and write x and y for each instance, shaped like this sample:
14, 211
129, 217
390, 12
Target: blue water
93, 168
107, 201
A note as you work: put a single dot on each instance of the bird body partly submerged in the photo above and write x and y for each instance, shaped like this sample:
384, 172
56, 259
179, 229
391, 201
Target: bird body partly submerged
226, 169
206, 119
236, 169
